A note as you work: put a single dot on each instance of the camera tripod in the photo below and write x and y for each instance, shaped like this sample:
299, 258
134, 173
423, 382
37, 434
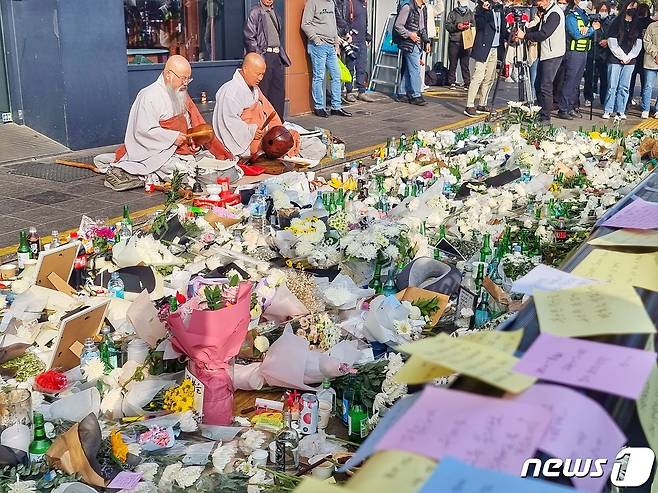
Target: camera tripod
526, 91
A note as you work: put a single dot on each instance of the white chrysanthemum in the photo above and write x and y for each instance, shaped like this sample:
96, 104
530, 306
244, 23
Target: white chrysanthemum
112, 401
336, 296
134, 449
224, 455
188, 422
252, 439
169, 475
94, 369
403, 327
148, 470
276, 277
466, 312
414, 313
262, 343
23, 486
187, 476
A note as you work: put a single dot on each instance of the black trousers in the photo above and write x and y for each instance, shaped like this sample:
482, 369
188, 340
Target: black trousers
272, 85
457, 54
547, 72
358, 67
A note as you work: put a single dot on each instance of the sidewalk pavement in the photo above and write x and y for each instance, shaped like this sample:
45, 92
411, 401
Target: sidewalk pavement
51, 205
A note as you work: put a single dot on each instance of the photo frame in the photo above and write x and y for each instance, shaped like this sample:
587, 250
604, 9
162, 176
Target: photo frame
57, 261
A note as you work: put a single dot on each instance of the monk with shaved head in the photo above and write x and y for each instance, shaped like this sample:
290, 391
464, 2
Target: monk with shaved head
242, 112
156, 141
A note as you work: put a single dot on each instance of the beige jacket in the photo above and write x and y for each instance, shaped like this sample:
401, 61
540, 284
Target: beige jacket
651, 46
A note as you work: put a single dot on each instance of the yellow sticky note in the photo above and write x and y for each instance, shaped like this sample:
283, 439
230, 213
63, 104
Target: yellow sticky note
313, 485
591, 310
628, 238
417, 370
474, 360
647, 404
392, 471
635, 269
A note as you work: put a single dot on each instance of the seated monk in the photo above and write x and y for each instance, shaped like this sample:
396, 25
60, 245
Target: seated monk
156, 140
241, 111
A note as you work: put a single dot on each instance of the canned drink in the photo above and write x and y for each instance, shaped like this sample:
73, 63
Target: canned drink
308, 416
204, 97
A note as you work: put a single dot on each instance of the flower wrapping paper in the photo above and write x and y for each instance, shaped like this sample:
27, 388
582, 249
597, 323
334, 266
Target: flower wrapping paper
210, 339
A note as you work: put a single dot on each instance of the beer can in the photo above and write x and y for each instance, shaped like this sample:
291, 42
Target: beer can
204, 97
308, 416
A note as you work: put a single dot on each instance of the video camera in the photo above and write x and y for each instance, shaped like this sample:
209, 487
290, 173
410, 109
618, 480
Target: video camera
517, 18
350, 49
596, 17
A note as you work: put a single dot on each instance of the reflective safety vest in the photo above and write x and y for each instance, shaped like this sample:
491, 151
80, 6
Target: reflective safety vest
583, 44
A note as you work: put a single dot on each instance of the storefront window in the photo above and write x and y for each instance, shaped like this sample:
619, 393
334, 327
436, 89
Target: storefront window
200, 30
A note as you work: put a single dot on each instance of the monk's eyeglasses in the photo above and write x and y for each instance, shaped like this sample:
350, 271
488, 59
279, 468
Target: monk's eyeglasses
184, 80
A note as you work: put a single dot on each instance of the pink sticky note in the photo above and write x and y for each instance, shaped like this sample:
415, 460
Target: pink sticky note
579, 428
125, 480
639, 214
482, 431
592, 365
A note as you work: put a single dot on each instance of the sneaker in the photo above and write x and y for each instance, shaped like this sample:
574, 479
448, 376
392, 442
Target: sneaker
368, 98
470, 111
464, 87
606, 116
575, 113
588, 103
345, 101
655, 115
121, 181
622, 116
401, 98
419, 101
644, 115
483, 110
563, 115
453, 87
351, 97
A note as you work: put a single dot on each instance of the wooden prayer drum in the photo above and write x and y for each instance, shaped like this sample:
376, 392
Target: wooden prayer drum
201, 134
277, 142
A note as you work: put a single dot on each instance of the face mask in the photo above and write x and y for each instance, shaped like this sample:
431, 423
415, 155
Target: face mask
564, 6
583, 5
630, 12
603, 15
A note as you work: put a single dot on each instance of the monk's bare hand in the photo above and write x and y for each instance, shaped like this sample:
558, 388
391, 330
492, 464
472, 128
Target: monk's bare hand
181, 139
259, 134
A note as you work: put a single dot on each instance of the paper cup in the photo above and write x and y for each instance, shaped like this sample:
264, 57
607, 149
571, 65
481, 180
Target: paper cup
324, 413
272, 448
259, 457
323, 471
8, 271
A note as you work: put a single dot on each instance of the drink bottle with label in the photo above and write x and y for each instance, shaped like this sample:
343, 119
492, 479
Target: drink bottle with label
41, 443
23, 253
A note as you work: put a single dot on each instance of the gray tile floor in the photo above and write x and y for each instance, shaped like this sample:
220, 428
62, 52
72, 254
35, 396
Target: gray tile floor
18, 142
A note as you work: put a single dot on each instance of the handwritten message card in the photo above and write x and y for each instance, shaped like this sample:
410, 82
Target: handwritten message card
475, 360
547, 278
579, 428
392, 471
647, 404
454, 476
609, 368
635, 269
482, 431
639, 214
592, 310
628, 238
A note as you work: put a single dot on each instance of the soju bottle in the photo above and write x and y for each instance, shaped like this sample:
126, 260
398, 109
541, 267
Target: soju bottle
23, 252
485, 251
357, 423
127, 220
109, 351
376, 282
479, 278
482, 314
390, 289
41, 443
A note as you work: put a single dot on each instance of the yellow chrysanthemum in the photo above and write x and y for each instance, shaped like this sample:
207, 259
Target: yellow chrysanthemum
119, 447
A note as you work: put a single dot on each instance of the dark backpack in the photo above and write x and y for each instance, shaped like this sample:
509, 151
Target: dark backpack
438, 76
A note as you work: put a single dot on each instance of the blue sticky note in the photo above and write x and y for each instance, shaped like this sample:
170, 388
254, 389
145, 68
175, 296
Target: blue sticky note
368, 446
454, 476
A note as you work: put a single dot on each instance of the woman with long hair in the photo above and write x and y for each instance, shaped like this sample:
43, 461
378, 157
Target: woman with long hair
644, 18
625, 44
597, 64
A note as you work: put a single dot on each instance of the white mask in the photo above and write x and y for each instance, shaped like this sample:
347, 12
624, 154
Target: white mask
604, 15
564, 6
613, 12
583, 4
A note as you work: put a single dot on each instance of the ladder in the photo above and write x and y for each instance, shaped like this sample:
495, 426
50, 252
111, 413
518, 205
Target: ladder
388, 60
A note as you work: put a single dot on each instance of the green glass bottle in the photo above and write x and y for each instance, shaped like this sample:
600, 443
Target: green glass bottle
109, 350
126, 218
41, 443
479, 278
485, 251
340, 199
390, 289
376, 282
332, 204
23, 252
357, 422
482, 314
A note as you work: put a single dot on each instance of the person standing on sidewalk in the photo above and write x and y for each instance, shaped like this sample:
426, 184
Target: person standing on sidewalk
490, 33
579, 42
410, 34
459, 20
650, 68
596, 73
355, 13
319, 25
551, 36
262, 35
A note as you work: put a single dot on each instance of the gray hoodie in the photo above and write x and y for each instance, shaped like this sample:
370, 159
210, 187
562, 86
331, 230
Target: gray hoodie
319, 21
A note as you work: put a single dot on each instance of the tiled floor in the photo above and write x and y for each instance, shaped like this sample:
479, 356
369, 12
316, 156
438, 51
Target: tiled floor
20, 143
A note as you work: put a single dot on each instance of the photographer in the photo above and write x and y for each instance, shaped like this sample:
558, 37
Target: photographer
596, 73
410, 34
551, 36
579, 42
490, 33
459, 19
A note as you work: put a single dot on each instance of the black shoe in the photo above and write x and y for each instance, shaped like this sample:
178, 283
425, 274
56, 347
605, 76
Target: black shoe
483, 110
575, 114
341, 112
563, 115
545, 120
470, 111
322, 113
401, 99
419, 101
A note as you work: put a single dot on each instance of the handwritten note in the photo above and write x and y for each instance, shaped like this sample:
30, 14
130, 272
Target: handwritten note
417, 370
639, 214
579, 428
647, 403
635, 269
454, 476
474, 360
368, 446
628, 238
125, 480
483, 431
313, 485
592, 310
609, 368
547, 278
392, 471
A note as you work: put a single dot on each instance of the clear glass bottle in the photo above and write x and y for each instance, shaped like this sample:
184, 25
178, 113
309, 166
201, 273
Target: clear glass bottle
286, 446
55, 242
34, 241
390, 289
348, 395
327, 394
116, 286
89, 354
